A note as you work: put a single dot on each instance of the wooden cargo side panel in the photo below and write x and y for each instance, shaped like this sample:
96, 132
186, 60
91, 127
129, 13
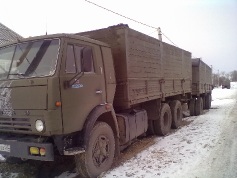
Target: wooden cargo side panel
187, 71
144, 67
177, 70
155, 69
209, 85
201, 79
143, 55
172, 60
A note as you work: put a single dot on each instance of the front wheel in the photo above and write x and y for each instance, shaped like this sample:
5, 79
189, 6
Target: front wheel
99, 154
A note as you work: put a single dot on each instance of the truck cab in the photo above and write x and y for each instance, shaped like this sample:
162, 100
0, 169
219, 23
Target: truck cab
49, 88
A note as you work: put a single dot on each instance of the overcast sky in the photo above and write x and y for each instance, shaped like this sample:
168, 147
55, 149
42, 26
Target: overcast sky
207, 28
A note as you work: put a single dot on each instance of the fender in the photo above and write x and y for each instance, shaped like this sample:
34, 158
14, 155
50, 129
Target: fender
93, 117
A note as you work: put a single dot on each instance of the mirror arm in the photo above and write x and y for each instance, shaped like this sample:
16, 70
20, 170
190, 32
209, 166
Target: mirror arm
69, 83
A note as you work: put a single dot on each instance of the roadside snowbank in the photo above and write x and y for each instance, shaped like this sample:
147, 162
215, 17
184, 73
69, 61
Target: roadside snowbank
177, 153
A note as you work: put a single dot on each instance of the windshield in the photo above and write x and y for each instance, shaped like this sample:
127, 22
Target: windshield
29, 59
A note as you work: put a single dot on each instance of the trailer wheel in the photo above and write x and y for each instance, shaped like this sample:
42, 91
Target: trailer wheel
199, 106
204, 102
207, 101
176, 111
192, 106
162, 125
99, 154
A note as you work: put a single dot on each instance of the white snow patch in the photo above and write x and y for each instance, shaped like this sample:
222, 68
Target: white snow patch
233, 85
177, 153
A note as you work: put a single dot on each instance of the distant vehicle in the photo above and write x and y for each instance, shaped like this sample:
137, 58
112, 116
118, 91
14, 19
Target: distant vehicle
226, 84
68, 94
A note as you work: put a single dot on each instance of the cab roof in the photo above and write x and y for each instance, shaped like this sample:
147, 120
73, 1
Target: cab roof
61, 35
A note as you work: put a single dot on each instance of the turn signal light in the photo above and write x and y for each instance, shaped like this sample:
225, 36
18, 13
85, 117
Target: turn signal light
58, 104
34, 150
42, 151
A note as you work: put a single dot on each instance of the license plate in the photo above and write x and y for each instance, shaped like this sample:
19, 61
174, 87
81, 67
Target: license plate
5, 148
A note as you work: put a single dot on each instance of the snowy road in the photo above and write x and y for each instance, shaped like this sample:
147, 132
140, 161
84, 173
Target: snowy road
222, 162
205, 148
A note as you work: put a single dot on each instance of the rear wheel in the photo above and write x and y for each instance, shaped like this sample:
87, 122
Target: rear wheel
192, 106
163, 124
207, 101
176, 111
199, 106
99, 154
204, 102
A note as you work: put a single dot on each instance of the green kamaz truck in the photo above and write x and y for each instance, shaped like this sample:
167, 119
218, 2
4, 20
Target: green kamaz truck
91, 94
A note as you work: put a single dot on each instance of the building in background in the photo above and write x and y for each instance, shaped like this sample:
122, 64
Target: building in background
7, 35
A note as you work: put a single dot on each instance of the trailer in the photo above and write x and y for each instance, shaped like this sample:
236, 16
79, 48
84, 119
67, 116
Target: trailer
201, 87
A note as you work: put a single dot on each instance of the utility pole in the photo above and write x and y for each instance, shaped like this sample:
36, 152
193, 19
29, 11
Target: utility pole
159, 34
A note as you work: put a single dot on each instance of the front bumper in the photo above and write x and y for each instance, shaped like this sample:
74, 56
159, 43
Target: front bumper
20, 148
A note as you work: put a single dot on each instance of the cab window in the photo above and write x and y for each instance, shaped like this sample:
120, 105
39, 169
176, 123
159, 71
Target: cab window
70, 62
79, 59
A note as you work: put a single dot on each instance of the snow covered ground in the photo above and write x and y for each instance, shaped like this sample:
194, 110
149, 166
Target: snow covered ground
178, 153
233, 85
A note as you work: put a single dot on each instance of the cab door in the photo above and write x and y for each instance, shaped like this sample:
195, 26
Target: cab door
82, 82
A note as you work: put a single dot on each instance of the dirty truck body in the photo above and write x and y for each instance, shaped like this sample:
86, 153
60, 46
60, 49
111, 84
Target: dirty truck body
91, 94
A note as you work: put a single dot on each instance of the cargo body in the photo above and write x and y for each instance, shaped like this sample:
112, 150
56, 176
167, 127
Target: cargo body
92, 94
145, 68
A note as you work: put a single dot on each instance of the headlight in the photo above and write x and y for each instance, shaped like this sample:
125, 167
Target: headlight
39, 125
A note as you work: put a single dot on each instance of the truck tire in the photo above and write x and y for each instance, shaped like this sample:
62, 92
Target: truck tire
208, 101
162, 125
204, 102
150, 129
99, 154
199, 106
192, 106
177, 115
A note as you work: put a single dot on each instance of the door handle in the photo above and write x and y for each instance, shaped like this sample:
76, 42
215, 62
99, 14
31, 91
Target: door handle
98, 91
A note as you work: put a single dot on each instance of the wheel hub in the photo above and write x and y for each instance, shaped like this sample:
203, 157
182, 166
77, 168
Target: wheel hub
100, 150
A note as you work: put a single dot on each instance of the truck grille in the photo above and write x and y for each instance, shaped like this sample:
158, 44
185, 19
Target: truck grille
15, 124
